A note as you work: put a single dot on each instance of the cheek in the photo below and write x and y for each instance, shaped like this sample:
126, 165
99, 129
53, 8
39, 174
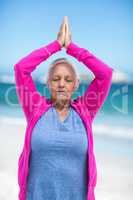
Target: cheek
70, 87
54, 85
52, 89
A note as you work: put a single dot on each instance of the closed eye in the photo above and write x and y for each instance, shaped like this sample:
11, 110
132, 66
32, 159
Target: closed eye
56, 79
67, 79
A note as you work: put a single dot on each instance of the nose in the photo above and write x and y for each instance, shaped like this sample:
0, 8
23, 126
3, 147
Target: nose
61, 83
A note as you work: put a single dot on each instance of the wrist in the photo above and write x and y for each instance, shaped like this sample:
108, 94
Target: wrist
60, 43
68, 45
53, 47
73, 49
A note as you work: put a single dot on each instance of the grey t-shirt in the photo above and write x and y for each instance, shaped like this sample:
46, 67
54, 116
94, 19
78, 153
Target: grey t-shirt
58, 159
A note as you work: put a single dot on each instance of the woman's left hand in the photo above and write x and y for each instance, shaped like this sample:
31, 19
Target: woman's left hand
68, 34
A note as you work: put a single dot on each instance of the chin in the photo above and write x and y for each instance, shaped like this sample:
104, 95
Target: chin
62, 99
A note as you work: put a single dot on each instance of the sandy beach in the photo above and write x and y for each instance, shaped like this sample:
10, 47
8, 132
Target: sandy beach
114, 163
115, 169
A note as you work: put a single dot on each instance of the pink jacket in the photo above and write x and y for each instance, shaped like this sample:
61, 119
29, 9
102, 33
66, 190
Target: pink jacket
34, 105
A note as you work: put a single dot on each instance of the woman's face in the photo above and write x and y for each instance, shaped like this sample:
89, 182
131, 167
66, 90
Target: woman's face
62, 82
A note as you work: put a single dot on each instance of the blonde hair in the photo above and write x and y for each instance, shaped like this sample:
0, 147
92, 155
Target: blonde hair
59, 61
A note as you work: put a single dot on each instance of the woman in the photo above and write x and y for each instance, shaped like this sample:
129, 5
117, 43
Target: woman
57, 160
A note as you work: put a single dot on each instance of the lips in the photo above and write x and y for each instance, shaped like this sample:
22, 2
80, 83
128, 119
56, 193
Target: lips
61, 92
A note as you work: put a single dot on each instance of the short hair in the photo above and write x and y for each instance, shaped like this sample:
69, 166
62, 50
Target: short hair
59, 61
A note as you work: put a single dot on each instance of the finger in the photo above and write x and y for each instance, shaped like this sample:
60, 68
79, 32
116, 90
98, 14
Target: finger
62, 24
67, 26
67, 29
66, 22
63, 30
61, 27
65, 19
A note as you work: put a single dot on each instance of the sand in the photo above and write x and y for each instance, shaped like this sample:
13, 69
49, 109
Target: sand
114, 164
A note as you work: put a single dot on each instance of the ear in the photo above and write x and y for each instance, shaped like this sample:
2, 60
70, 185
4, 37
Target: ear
48, 84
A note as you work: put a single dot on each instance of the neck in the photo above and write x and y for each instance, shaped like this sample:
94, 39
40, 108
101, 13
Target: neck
61, 105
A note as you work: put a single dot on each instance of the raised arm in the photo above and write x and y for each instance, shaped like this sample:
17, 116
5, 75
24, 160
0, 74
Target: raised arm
27, 93
97, 91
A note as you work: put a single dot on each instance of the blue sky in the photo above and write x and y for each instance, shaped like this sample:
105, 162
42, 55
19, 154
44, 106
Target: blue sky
103, 27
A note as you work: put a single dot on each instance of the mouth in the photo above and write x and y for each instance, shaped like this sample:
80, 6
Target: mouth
61, 92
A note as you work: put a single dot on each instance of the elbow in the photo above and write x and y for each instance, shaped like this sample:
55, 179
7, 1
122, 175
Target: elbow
109, 73
16, 66
106, 74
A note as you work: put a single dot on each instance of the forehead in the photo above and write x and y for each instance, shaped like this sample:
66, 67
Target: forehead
63, 69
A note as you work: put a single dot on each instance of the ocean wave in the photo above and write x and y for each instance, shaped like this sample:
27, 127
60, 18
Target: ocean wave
115, 131
12, 121
106, 129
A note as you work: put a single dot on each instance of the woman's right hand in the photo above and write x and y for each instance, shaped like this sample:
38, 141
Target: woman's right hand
61, 34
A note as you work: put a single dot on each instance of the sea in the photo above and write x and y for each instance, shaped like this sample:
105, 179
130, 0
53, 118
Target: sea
116, 112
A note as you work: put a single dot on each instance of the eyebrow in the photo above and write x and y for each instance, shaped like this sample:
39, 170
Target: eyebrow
68, 76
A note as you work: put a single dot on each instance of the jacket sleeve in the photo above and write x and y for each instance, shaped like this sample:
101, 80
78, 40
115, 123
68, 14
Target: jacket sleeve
26, 90
97, 91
